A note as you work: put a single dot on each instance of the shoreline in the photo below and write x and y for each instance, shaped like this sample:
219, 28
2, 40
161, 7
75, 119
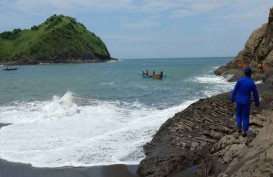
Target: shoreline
204, 134
62, 62
16, 169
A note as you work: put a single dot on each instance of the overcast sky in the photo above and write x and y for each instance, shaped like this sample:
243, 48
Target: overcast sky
151, 28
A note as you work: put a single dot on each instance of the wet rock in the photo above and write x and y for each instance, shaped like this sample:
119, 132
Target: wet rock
256, 159
187, 138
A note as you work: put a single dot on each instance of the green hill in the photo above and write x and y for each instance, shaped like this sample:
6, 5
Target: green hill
59, 39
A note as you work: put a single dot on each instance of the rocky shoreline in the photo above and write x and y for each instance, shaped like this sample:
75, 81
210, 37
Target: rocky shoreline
204, 134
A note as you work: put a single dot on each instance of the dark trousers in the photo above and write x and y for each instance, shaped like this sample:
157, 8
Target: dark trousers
242, 115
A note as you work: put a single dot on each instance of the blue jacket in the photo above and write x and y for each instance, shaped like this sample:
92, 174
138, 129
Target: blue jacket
242, 91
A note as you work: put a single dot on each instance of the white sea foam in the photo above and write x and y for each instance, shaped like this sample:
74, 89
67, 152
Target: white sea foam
215, 67
71, 130
211, 79
113, 61
106, 83
258, 82
214, 84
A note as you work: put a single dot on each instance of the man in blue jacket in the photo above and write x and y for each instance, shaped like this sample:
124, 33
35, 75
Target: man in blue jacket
242, 94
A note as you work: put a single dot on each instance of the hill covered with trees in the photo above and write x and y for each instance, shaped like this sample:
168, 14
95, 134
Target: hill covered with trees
60, 39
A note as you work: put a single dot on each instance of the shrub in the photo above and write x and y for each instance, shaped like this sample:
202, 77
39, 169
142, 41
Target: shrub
34, 28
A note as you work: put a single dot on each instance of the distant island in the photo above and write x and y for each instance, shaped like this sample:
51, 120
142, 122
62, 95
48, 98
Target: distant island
60, 39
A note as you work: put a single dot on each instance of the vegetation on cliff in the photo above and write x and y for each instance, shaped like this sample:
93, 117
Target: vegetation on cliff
59, 39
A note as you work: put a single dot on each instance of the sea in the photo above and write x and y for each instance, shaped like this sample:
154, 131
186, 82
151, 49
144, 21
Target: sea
93, 114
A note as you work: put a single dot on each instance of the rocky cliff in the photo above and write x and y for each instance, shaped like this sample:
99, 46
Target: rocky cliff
203, 136
258, 48
59, 39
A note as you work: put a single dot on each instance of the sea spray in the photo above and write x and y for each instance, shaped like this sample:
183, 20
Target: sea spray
62, 132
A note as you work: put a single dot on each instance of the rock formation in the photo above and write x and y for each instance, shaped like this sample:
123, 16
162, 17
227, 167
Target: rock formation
204, 134
187, 138
258, 48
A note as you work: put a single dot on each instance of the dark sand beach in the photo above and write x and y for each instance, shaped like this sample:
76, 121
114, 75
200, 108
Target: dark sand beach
11, 169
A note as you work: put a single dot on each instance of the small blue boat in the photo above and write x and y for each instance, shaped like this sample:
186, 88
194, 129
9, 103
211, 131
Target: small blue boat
10, 68
153, 77
146, 76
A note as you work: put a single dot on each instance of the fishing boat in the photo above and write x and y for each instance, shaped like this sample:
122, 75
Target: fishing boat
10, 68
153, 76
146, 75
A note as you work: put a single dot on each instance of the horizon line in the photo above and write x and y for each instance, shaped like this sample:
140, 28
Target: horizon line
171, 58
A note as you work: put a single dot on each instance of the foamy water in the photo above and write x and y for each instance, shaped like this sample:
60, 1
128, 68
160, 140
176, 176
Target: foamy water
69, 130
108, 116
62, 132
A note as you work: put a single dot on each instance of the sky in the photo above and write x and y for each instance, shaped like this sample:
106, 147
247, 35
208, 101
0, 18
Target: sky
151, 28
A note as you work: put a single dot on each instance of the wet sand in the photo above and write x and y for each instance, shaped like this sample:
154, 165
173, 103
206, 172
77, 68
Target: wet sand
12, 169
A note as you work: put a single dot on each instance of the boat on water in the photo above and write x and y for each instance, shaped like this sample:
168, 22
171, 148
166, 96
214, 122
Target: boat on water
153, 76
10, 68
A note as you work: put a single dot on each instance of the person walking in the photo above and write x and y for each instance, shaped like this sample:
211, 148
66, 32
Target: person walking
242, 94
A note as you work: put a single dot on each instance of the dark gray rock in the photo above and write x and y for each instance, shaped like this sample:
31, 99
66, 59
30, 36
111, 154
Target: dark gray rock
204, 132
187, 138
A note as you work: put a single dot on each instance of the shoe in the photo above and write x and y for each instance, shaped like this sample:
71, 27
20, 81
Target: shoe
239, 129
244, 134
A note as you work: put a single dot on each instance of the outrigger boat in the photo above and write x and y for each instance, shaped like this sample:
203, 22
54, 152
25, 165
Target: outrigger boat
153, 76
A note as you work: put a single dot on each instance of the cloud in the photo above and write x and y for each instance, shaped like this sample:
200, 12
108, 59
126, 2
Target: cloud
182, 8
175, 22
170, 8
79, 5
149, 22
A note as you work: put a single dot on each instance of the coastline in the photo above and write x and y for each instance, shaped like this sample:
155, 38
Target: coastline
15, 169
204, 134
180, 143
74, 61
